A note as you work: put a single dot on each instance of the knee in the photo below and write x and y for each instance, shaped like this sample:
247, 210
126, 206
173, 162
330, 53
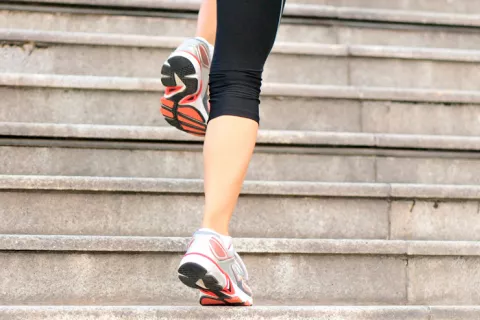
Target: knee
235, 93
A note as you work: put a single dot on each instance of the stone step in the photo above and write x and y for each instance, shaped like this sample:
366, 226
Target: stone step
77, 270
280, 156
447, 6
111, 55
327, 31
98, 100
172, 207
316, 10
253, 313
265, 137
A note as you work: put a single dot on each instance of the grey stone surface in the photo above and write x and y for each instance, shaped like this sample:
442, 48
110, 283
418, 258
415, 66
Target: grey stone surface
447, 313
271, 188
253, 313
428, 170
323, 114
413, 74
184, 163
449, 6
328, 215
300, 10
142, 109
269, 164
150, 279
325, 33
433, 38
117, 61
155, 26
332, 68
438, 192
420, 118
50, 38
129, 244
444, 280
120, 214
262, 245
435, 220
265, 137
129, 84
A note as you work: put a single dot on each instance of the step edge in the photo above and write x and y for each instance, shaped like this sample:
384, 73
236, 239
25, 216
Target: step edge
267, 188
265, 137
165, 42
132, 244
301, 10
74, 82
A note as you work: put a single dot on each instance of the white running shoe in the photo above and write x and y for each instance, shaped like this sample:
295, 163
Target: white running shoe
212, 265
185, 76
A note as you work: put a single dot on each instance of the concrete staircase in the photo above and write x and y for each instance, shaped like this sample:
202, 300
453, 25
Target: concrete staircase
362, 203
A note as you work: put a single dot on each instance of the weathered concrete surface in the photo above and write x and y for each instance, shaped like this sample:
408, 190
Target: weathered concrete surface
428, 170
435, 220
183, 163
270, 188
408, 118
448, 6
116, 279
324, 33
117, 61
444, 280
176, 211
265, 137
253, 313
116, 107
363, 272
156, 26
334, 66
448, 313
186, 162
298, 10
179, 215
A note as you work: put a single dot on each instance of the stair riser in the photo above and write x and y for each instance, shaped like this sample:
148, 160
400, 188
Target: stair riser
284, 166
119, 214
418, 37
147, 62
150, 279
280, 113
253, 313
446, 6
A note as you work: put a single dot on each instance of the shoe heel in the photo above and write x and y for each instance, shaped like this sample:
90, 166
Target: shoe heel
190, 273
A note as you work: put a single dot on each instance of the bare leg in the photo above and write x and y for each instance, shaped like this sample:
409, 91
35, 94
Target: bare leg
207, 21
245, 36
229, 145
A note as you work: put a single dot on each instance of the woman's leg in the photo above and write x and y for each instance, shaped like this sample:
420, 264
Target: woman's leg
207, 21
245, 36
185, 76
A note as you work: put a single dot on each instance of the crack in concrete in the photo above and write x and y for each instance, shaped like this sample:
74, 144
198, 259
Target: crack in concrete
414, 202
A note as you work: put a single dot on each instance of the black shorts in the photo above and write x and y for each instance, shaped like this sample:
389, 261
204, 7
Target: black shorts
246, 31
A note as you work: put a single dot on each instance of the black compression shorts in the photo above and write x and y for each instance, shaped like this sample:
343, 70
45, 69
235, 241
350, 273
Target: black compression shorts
246, 31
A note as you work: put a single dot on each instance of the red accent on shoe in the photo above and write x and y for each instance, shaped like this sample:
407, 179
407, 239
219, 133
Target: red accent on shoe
166, 113
193, 97
217, 249
172, 90
211, 302
167, 102
204, 56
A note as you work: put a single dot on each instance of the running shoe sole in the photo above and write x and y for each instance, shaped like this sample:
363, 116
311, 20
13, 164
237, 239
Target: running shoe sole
191, 274
182, 102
